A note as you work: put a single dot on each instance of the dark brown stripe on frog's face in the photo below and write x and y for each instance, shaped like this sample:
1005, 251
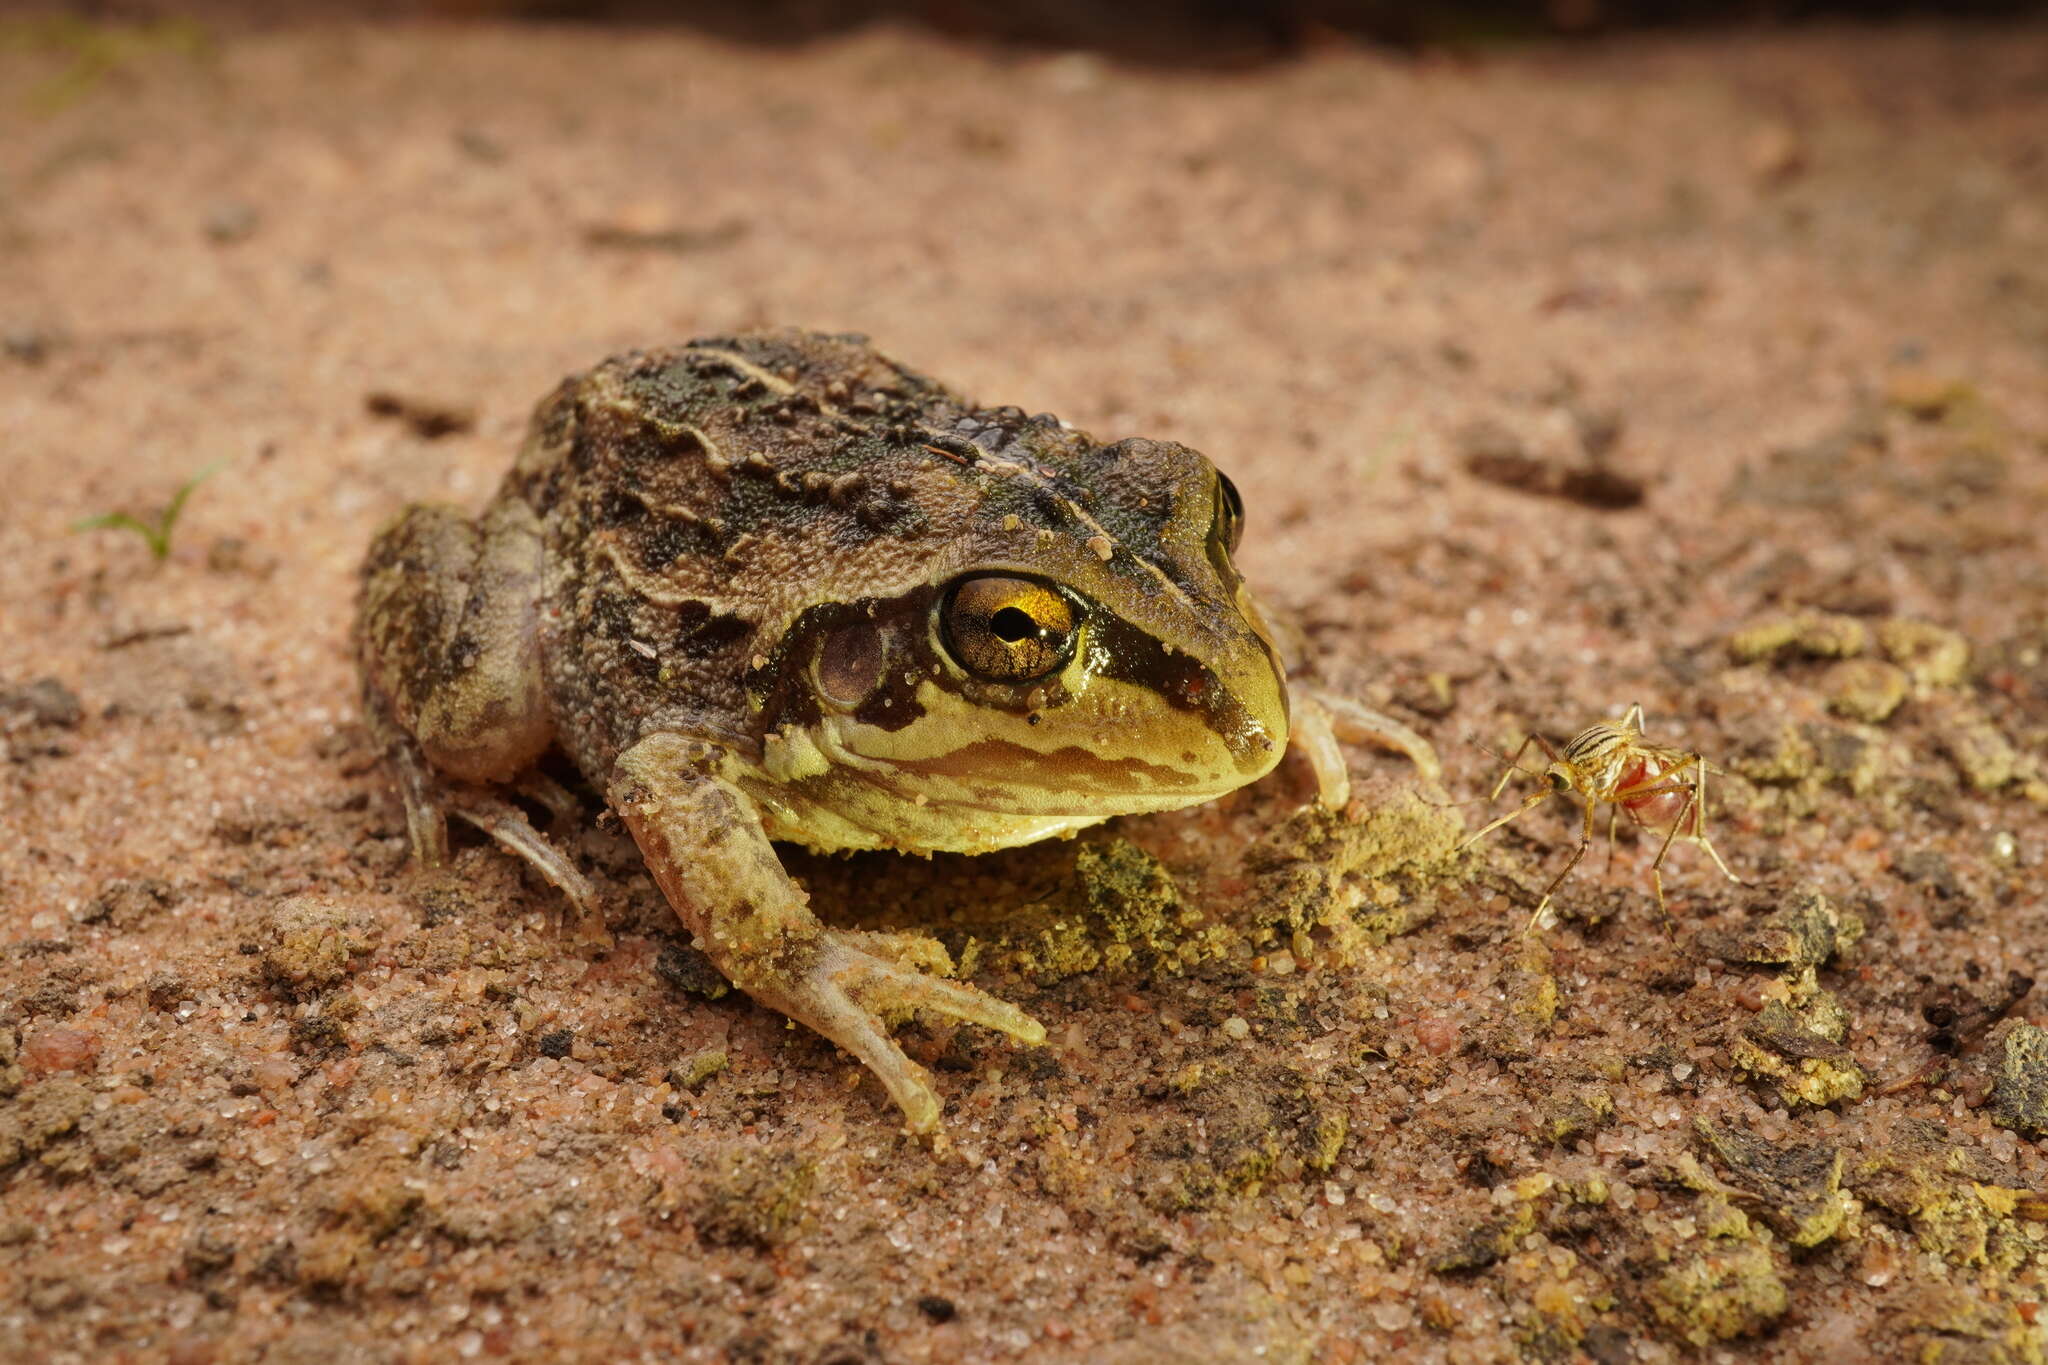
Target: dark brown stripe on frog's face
1120, 651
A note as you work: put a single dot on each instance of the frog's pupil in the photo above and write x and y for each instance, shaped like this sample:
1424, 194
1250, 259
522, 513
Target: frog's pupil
1012, 625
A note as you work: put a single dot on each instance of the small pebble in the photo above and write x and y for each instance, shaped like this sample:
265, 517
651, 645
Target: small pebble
25, 344
1865, 689
1932, 655
274, 1072
47, 701
233, 221
1437, 1036
1777, 154
60, 1049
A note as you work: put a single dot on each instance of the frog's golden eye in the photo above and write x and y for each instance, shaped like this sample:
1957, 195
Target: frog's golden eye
1007, 629
1229, 525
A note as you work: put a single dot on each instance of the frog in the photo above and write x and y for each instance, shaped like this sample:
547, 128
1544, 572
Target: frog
776, 586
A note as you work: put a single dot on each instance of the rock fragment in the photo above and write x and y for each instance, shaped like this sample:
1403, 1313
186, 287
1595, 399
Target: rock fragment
1798, 1185
1720, 1292
1810, 1067
1809, 634
1806, 931
312, 943
2020, 1099
1868, 690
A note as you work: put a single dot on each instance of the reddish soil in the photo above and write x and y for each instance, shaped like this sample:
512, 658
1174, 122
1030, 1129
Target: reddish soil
1710, 374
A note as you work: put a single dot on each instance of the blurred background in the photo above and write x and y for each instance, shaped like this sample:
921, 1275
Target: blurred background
1220, 32
1178, 31
1566, 354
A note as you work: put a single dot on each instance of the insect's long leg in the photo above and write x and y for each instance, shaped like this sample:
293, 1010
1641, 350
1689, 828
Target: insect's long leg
1657, 865
1613, 814
1585, 842
1534, 800
1514, 765
1699, 794
1665, 770
1708, 844
1661, 784
1700, 828
1696, 809
1657, 786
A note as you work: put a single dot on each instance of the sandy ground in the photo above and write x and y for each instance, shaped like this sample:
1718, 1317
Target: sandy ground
1708, 375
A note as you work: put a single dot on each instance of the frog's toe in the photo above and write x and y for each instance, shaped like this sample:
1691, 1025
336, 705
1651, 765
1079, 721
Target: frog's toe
1322, 719
1356, 723
507, 824
894, 972
848, 989
862, 1034
888, 987
426, 817
429, 801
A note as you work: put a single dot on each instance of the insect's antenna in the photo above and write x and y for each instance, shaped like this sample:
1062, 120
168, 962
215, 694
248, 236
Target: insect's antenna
1454, 805
1514, 764
1509, 765
1530, 803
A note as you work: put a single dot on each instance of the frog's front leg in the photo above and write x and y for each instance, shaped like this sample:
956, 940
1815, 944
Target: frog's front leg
1321, 719
703, 839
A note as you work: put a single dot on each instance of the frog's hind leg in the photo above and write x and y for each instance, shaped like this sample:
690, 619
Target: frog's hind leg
449, 640
453, 689
430, 800
426, 813
508, 824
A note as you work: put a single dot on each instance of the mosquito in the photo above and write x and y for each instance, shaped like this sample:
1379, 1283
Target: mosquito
1611, 764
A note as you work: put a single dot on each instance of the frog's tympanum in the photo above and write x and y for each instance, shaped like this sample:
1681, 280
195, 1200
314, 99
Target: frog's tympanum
776, 586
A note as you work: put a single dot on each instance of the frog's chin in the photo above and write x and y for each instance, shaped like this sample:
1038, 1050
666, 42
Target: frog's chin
929, 830
845, 811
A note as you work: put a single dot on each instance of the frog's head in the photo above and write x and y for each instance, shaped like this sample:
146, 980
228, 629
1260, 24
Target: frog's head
1077, 644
